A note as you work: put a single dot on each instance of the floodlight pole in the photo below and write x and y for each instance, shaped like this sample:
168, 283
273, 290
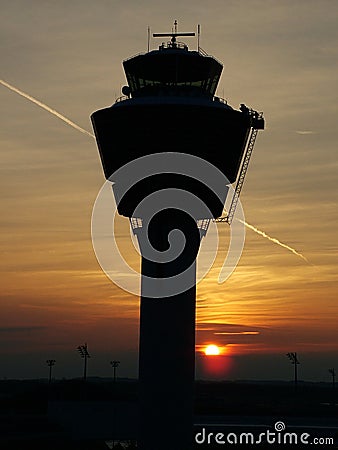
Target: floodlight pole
333, 374
294, 360
85, 369
50, 363
83, 350
115, 365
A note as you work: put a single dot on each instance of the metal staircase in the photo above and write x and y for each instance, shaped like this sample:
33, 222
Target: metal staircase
256, 126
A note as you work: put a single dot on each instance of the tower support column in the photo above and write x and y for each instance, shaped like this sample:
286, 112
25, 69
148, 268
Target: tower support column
167, 350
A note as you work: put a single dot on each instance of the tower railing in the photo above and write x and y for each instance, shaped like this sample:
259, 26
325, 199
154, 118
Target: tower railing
175, 45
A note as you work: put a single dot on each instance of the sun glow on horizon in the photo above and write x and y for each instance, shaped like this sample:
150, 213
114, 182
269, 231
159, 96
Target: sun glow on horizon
212, 350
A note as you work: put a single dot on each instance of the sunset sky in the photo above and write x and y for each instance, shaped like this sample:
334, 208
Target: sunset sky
280, 57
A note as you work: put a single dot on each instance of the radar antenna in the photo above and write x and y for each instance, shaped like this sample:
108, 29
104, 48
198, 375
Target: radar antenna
173, 34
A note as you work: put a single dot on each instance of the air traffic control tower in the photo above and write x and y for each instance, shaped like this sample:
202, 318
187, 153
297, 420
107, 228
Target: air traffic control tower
169, 107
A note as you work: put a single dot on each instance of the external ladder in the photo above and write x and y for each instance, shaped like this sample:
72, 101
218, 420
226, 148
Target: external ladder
244, 168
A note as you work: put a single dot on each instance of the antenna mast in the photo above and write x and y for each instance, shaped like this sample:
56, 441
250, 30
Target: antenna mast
148, 39
173, 34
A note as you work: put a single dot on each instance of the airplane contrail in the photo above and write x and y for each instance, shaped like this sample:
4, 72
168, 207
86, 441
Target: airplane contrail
82, 130
276, 241
47, 108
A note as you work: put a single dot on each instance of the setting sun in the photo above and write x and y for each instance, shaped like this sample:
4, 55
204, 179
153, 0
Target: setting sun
212, 350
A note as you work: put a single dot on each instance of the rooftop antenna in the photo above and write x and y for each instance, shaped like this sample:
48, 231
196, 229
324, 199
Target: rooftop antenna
198, 37
148, 39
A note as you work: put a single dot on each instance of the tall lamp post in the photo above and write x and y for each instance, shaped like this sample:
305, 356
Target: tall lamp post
115, 365
294, 360
50, 363
333, 374
83, 350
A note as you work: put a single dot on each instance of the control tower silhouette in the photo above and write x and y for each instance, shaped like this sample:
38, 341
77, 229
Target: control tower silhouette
169, 108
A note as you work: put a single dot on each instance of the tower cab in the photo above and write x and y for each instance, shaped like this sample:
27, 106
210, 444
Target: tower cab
170, 105
173, 70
